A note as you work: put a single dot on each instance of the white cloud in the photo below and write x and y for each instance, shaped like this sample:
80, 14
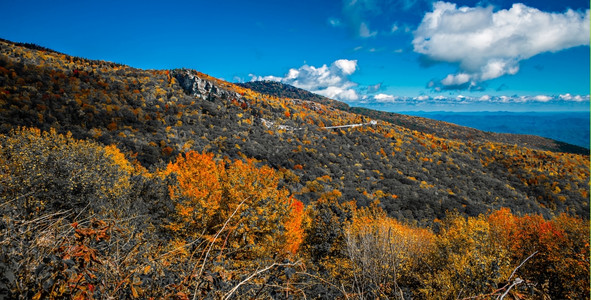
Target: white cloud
347, 66
382, 98
264, 78
487, 44
457, 79
340, 93
423, 100
329, 81
542, 98
569, 97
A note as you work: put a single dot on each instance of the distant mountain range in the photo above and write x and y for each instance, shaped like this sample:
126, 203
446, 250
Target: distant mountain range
568, 127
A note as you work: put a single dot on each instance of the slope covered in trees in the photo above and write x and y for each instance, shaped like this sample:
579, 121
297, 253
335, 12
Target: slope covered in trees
158, 114
128, 183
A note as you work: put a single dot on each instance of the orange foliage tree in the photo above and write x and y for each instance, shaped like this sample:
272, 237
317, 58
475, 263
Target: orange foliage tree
294, 229
523, 256
237, 202
560, 267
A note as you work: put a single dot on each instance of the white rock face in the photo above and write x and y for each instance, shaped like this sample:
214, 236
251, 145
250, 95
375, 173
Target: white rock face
196, 86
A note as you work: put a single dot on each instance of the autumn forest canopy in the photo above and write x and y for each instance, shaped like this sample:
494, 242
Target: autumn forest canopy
129, 183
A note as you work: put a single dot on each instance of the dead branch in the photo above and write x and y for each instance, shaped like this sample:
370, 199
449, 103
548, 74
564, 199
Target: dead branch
234, 289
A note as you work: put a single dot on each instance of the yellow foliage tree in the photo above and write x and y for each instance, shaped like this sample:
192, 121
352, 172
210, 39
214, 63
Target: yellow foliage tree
466, 261
47, 171
383, 252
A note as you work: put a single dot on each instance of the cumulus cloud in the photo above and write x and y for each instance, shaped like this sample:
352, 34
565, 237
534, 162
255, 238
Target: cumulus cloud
569, 97
542, 98
384, 98
487, 44
329, 81
346, 66
458, 79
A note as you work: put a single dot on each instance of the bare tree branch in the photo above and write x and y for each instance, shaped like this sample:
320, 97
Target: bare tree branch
507, 286
516, 282
234, 289
521, 264
342, 290
211, 246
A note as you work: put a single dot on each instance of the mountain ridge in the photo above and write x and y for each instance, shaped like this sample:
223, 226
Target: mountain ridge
156, 115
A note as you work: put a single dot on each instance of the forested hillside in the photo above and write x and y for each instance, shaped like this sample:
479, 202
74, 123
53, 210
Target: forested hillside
134, 183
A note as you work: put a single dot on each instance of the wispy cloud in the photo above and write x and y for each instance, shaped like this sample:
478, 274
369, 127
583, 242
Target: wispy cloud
400, 28
487, 44
357, 15
374, 88
334, 22
365, 32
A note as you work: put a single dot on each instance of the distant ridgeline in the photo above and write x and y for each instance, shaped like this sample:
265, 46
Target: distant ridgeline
417, 168
568, 127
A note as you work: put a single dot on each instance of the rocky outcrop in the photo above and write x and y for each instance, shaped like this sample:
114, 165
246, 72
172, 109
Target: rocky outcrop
199, 87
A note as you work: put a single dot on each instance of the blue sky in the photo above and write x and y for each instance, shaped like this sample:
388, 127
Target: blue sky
397, 55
